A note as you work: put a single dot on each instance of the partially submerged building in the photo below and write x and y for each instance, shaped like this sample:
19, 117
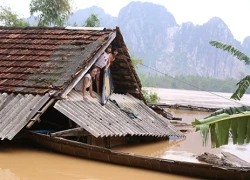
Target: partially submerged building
39, 67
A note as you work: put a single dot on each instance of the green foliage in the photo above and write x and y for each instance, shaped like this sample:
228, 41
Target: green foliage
51, 12
135, 61
9, 18
145, 80
244, 83
229, 48
191, 82
150, 97
92, 21
75, 24
234, 119
242, 87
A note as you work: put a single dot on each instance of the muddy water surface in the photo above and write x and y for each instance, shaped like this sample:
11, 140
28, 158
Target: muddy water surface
186, 149
29, 163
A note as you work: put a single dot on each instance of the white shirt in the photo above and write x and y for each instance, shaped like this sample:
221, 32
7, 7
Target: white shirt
79, 85
102, 60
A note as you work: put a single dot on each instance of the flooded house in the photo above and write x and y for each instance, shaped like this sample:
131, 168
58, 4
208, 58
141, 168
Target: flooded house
39, 68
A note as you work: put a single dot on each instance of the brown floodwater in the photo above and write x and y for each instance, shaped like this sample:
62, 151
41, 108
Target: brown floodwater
19, 162
25, 162
186, 149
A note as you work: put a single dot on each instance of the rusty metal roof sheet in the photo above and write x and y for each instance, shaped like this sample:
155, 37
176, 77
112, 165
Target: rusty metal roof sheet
109, 120
16, 111
38, 59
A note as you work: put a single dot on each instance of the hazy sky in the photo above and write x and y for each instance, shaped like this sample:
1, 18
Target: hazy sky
235, 13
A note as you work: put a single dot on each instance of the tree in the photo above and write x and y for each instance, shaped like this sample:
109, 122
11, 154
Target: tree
50, 12
135, 61
92, 21
9, 18
149, 96
234, 122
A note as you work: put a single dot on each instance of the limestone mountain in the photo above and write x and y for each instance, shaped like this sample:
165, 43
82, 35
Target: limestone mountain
153, 34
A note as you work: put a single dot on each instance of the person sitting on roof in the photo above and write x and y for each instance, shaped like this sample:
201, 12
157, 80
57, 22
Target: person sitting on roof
102, 63
86, 82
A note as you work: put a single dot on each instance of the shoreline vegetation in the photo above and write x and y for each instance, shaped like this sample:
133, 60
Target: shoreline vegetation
190, 82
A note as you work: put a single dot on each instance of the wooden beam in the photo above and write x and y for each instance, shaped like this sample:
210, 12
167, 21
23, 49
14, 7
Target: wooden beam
235, 159
71, 132
81, 74
35, 110
38, 115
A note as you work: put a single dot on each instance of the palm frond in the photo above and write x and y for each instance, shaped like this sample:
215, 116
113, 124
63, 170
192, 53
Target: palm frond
229, 48
219, 126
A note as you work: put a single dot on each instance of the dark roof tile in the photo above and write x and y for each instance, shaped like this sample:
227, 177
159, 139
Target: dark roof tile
36, 60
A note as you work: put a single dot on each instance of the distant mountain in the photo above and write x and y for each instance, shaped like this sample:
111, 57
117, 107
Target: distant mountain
151, 33
189, 51
144, 27
154, 35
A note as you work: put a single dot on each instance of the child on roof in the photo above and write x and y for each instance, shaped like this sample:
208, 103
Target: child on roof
86, 82
102, 63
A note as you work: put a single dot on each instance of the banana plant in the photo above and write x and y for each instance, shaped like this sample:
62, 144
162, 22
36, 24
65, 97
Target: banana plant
244, 83
230, 122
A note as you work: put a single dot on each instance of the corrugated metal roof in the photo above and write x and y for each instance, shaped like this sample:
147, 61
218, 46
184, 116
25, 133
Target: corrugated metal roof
109, 120
16, 111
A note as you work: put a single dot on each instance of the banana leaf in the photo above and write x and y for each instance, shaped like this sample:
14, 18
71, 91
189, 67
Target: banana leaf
229, 48
245, 82
230, 110
221, 123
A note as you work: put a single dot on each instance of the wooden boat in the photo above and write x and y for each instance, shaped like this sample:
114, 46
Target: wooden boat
111, 156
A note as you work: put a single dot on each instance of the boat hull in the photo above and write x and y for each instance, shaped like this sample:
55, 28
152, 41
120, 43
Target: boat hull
111, 156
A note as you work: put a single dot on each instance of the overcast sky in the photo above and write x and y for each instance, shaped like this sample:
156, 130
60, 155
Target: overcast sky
235, 13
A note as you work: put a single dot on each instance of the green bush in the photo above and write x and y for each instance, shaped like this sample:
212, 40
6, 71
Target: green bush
150, 97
